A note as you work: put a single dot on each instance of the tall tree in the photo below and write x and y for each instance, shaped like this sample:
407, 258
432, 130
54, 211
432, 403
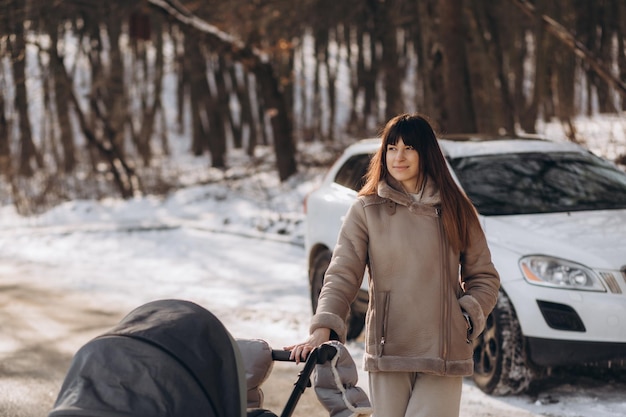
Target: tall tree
430, 58
5, 149
459, 112
17, 45
61, 99
387, 21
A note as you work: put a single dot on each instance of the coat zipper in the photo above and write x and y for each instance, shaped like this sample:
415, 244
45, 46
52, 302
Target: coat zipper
384, 330
445, 335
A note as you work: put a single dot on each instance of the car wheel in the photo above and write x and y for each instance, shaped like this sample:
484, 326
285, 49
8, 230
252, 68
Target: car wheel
356, 319
500, 365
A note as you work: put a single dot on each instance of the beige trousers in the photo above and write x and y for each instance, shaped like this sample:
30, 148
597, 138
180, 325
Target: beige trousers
411, 394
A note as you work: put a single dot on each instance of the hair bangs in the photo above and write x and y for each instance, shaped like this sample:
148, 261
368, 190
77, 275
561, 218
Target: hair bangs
413, 131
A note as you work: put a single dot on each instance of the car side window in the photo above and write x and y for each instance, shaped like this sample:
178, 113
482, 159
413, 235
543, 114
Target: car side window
352, 172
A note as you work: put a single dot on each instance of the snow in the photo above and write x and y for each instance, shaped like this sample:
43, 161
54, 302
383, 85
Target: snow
234, 248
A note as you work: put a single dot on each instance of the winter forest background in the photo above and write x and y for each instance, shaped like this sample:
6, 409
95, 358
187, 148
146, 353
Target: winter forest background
101, 98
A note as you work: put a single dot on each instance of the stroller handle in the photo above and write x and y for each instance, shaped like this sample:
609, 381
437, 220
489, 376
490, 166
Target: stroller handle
281, 355
322, 354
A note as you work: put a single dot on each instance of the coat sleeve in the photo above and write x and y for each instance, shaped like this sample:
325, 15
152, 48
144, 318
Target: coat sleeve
480, 279
344, 275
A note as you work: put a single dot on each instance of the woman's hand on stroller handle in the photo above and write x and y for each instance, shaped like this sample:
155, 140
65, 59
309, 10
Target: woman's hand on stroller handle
300, 351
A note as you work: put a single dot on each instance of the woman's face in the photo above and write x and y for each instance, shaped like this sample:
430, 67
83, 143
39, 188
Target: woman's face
403, 165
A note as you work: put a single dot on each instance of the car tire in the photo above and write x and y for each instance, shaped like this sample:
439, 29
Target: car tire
356, 319
500, 364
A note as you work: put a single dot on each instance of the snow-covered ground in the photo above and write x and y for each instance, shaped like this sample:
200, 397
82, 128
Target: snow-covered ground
235, 249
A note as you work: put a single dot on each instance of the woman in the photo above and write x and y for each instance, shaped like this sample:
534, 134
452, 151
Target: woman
431, 280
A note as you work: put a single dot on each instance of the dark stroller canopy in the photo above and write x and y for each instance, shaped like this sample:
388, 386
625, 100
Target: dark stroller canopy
165, 358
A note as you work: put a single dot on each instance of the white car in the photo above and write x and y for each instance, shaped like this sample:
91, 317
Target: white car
555, 219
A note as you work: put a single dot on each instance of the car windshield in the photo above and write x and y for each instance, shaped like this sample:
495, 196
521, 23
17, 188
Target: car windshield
527, 183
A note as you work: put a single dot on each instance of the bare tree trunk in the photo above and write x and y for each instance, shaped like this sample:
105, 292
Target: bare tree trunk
217, 106
94, 54
61, 101
517, 55
530, 113
152, 109
179, 39
430, 60
246, 118
284, 148
320, 51
256, 123
367, 66
386, 27
261, 110
282, 66
492, 91
236, 124
28, 151
195, 70
565, 85
331, 75
224, 84
459, 111
355, 122
113, 93
603, 23
620, 14
49, 144
5, 149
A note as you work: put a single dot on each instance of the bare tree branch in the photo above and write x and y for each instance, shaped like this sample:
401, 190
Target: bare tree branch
575, 45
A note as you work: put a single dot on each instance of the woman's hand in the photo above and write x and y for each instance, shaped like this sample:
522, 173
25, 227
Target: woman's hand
300, 351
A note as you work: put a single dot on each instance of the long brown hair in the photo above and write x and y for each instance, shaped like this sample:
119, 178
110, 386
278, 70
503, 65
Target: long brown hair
457, 211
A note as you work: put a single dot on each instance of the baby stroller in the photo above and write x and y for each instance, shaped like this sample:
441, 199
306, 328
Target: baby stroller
174, 358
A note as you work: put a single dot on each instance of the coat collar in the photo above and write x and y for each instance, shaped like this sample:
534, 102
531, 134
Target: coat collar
392, 190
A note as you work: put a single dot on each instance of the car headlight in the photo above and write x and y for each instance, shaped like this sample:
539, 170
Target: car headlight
559, 273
